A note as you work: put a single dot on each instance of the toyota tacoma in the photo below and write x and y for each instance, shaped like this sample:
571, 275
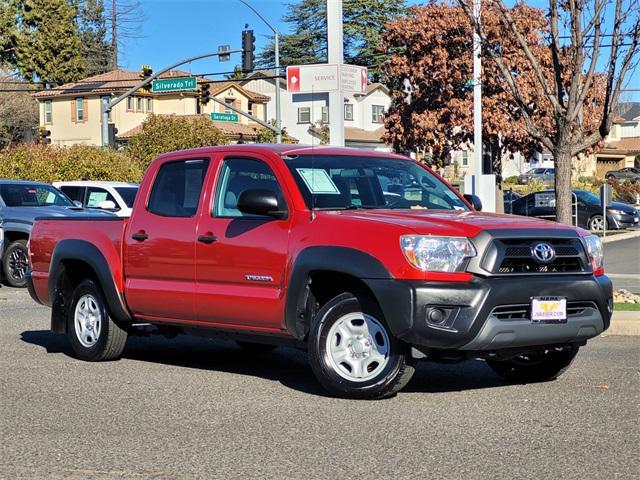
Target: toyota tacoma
368, 260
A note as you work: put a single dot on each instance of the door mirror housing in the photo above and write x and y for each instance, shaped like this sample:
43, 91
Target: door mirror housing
475, 201
77, 203
107, 205
260, 201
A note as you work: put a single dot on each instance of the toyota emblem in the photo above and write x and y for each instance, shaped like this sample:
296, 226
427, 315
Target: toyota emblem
543, 252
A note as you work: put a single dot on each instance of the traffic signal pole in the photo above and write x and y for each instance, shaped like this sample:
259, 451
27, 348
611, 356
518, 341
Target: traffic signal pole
107, 106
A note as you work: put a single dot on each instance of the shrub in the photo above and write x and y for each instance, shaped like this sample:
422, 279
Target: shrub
511, 180
49, 163
626, 192
166, 133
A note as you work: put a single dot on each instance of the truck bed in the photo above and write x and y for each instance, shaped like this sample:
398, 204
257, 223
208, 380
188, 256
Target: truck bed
105, 233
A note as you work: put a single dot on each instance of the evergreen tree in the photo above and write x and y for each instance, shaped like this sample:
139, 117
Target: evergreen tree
364, 20
8, 34
48, 47
96, 51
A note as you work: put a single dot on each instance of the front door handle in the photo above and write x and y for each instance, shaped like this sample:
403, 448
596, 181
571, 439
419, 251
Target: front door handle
207, 238
140, 236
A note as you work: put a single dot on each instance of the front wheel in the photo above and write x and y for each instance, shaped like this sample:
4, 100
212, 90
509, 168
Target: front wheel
535, 366
596, 223
352, 352
15, 263
94, 336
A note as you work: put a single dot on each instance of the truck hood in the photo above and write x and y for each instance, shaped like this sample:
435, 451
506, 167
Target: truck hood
29, 214
449, 222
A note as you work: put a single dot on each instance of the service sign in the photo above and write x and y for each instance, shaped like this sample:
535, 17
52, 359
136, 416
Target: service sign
327, 78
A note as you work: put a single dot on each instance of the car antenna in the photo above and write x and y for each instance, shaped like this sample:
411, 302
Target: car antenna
313, 172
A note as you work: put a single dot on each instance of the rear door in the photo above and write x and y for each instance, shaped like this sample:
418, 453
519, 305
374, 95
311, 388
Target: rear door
160, 241
241, 259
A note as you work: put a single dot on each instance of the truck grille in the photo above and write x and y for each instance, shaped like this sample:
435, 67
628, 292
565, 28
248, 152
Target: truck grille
514, 256
523, 311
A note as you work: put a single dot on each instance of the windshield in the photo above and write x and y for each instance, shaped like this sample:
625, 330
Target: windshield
25, 195
536, 171
128, 194
340, 182
587, 197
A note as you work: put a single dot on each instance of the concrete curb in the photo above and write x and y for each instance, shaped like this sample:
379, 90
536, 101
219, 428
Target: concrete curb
624, 323
621, 236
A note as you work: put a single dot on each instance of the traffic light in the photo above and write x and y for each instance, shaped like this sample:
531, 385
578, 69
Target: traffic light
248, 49
203, 94
43, 136
111, 136
145, 72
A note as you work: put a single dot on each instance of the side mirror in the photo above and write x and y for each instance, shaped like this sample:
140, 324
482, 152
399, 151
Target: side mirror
475, 201
260, 201
77, 203
107, 205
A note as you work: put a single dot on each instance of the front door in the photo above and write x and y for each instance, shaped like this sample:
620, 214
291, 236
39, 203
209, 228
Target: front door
241, 258
160, 257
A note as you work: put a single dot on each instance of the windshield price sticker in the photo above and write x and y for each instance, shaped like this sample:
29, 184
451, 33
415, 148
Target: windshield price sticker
318, 180
548, 310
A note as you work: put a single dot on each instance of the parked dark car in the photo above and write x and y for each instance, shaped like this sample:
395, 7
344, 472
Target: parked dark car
21, 202
629, 174
589, 210
544, 175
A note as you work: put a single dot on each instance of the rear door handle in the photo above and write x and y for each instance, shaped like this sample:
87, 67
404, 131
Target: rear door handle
140, 236
207, 238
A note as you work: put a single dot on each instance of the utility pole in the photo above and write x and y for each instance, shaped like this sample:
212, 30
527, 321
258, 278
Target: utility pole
477, 102
114, 35
335, 56
276, 35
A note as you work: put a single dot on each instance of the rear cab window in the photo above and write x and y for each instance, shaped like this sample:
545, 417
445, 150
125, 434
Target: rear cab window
177, 188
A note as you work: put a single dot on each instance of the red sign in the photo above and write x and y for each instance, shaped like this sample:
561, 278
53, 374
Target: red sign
293, 79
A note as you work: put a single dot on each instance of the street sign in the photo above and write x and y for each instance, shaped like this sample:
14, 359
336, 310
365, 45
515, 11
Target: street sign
224, 117
224, 48
326, 78
183, 84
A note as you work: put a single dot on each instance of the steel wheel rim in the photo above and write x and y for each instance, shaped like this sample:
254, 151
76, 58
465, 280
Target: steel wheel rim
597, 224
357, 347
87, 321
18, 263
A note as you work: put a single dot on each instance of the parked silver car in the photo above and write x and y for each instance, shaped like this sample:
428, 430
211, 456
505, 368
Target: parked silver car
544, 175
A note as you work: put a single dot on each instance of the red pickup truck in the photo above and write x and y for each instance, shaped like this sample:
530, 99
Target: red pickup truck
368, 260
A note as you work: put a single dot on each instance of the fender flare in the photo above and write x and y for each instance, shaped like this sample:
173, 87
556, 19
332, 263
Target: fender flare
345, 260
88, 253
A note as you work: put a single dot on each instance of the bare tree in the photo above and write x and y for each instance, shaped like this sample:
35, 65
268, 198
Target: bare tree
124, 18
588, 42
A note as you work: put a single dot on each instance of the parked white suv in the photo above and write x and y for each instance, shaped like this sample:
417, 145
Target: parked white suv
116, 197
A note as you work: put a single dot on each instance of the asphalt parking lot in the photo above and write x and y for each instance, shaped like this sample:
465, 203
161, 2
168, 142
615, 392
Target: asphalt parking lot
197, 408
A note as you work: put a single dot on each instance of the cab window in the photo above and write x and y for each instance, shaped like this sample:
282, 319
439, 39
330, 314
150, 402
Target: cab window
177, 188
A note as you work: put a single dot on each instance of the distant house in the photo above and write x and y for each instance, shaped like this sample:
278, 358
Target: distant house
304, 113
71, 112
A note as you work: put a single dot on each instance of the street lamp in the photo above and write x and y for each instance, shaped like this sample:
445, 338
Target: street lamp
277, 69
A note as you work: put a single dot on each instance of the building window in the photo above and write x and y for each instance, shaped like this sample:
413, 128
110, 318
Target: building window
149, 104
348, 111
304, 115
250, 108
377, 113
325, 115
229, 103
47, 112
140, 104
129, 104
465, 158
79, 109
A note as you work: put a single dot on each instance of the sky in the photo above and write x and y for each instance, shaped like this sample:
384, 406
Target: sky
176, 29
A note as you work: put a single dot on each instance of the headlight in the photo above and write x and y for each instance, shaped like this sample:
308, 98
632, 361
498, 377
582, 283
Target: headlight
436, 254
617, 212
595, 252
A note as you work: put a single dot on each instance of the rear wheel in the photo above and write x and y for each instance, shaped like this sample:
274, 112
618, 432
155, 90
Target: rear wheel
92, 333
535, 366
352, 352
15, 263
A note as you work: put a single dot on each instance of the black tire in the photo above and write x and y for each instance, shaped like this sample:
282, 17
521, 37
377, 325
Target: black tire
15, 263
110, 338
395, 374
256, 348
593, 221
535, 367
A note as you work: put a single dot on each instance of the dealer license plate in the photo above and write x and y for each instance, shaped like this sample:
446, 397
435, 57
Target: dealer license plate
548, 310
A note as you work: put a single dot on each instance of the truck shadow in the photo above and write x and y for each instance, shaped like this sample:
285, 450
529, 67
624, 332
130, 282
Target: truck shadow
287, 366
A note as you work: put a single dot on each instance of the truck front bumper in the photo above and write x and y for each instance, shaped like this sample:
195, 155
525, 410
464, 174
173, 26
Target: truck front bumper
492, 313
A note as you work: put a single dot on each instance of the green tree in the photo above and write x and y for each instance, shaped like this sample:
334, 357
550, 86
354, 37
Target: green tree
161, 134
8, 33
18, 110
237, 74
48, 46
96, 51
364, 20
